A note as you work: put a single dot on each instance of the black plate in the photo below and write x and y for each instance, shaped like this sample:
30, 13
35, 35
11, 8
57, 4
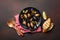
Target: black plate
32, 16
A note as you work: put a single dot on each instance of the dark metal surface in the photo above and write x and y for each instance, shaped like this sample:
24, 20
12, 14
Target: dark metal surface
9, 8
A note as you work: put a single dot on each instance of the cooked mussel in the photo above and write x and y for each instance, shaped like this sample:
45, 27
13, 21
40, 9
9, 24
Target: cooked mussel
26, 11
37, 15
29, 15
28, 24
31, 19
24, 22
32, 25
25, 15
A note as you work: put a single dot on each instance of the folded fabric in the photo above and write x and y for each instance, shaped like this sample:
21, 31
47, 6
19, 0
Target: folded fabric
19, 27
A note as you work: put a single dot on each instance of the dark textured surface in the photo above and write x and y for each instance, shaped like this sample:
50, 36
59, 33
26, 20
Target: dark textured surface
8, 8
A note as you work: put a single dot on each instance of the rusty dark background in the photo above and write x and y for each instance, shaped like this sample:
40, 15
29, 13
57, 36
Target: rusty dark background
9, 8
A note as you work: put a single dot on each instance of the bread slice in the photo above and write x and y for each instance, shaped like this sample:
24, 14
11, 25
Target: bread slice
46, 25
51, 26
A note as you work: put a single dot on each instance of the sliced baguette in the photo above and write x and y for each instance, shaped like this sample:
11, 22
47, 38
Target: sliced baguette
46, 25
